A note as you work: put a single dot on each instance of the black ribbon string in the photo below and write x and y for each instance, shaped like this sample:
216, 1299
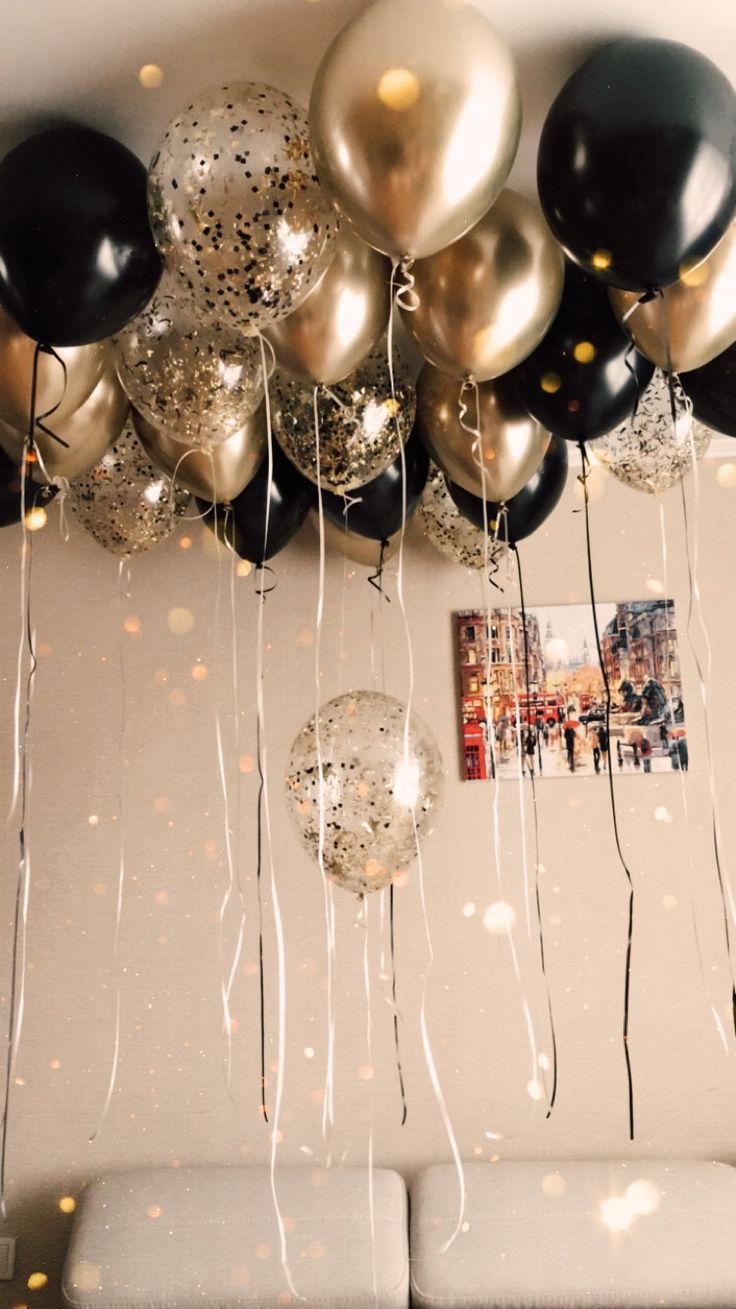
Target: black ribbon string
537, 896
392, 943
376, 579
23, 745
40, 419
612, 790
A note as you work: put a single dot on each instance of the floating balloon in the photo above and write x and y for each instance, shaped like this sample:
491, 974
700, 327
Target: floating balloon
712, 390
693, 320
414, 119
235, 206
446, 528
377, 509
486, 301
504, 451
529, 508
359, 549
77, 260
585, 377
219, 473
361, 424
80, 440
11, 494
366, 790
342, 318
636, 162
63, 383
199, 385
279, 497
651, 452
125, 503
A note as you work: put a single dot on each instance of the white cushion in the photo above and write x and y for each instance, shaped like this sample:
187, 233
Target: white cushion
573, 1235
164, 1238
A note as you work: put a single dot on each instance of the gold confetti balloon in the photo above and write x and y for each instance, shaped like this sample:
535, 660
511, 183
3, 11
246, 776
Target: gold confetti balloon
362, 425
357, 783
235, 206
125, 503
198, 384
651, 452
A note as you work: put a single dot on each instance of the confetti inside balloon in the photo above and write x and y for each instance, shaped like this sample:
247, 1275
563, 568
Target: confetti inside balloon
200, 385
377, 781
362, 426
235, 205
651, 452
125, 503
442, 523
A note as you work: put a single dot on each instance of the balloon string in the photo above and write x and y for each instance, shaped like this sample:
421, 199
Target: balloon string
22, 779
535, 811
695, 613
394, 1004
122, 589
262, 741
363, 921
227, 976
426, 1044
376, 579
685, 809
328, 1109
526, 1008
40, 418
614, 816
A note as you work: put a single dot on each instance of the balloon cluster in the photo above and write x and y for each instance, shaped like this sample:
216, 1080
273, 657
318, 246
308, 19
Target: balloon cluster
255, 373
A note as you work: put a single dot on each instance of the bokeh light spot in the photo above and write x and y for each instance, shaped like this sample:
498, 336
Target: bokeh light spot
180, 621
398, 89
150, 76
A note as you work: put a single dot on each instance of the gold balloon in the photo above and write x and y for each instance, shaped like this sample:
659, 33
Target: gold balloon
87, 433
218, 474
488, 299
509, 443
341, 320
360, 549
698, 313
84, 367
414, 122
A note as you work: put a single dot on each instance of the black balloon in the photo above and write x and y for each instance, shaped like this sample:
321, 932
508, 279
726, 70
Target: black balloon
285, 496
637, 162
375, 510
525, 511
585, 377
11, 492
712, 390
77, 259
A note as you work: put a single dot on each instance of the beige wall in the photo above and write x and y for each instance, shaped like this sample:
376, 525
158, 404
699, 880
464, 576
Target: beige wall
171, 1103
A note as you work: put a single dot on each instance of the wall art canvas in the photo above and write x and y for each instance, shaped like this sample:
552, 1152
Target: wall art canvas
539, 704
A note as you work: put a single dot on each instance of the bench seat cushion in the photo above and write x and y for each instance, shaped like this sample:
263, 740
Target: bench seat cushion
189, 1238
612, 1235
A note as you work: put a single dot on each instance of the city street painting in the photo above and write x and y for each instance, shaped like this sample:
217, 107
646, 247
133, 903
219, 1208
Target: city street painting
540, 704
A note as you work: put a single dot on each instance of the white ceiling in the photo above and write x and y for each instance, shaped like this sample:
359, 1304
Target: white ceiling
80, 58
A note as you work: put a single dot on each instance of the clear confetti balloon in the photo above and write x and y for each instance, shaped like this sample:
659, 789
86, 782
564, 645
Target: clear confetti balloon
125, 503
198, 384
374, 784
362, 426
651, 452
235, 205
445, 527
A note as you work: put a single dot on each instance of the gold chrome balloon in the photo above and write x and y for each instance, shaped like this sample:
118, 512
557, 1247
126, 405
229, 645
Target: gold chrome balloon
414, 122
698, 313
84, 367
496, 458
341, 320
87, 433
217, 474
486, 301
351, 545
